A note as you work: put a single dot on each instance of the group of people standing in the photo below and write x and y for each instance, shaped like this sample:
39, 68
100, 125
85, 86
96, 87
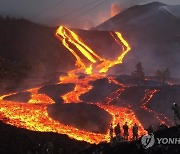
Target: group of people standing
117, 131
176, 109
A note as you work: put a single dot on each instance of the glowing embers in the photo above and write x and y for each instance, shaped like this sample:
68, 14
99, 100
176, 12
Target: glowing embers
69, 38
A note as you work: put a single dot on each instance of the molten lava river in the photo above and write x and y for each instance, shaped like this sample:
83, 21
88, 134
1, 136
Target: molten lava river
34, 116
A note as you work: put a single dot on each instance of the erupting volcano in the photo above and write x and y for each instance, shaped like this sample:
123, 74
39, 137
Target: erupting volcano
33, 114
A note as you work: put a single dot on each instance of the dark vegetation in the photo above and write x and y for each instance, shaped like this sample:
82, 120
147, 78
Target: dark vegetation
138, 75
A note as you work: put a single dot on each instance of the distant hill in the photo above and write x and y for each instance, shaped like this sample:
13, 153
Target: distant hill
174, 9
31, 50
28, 49
154, 34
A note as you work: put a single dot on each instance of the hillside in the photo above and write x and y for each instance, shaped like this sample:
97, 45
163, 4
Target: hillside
22, 40
31, 53
153, 33
28, 50
20, 141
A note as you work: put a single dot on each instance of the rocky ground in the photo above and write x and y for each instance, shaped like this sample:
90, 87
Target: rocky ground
21, 141
135, 147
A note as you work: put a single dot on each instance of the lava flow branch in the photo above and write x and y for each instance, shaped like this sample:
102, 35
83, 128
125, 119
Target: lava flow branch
149, 94
70, 38
33, 115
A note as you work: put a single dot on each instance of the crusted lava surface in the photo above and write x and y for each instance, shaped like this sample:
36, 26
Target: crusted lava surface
55, 91
19, 97
82, 116
102, 88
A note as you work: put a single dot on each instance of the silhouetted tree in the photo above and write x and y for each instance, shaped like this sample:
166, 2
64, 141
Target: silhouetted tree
138, 74
1, 18
163, 75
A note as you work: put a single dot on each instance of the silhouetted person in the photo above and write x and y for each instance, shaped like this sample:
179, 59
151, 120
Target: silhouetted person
111, 131
117, 130
150, 129
162, 126
135, 132
126, 133
176, 109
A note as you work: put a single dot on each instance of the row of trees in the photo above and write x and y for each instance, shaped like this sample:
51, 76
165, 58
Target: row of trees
138, 75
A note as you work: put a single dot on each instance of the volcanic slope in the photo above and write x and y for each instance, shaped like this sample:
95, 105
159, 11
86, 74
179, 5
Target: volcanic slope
153, 32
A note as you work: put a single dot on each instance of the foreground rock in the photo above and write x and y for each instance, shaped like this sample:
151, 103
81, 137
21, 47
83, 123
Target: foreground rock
55, 91
83, 116
21, 141
135, 147
102, 88
19, 97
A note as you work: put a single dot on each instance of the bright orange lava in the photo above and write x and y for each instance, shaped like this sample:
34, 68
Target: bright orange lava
70, 38
34, 116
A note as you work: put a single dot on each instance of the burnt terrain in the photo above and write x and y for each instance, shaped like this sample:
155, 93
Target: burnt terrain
21, 141
153, 33
102, 88
38, 53
135, 147
19, 97
55, 91
82, 116
160, 103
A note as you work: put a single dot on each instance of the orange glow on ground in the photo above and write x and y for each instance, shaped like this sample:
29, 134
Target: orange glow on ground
34, 116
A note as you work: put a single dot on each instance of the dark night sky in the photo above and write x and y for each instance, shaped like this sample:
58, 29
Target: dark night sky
52, 12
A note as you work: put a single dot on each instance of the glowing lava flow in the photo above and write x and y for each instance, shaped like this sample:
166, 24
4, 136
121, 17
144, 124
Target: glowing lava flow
34, 116
69, 38
37, 98
122, 115
82, 87
125, 49
148, 96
